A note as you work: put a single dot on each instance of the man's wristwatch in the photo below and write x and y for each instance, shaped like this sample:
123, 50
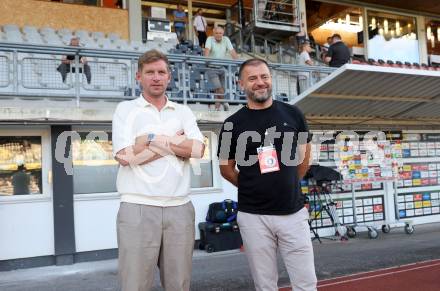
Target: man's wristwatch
150, 138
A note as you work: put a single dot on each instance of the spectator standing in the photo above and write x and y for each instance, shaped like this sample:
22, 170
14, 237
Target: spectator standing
21, 181
325, 47
338, 53
304, 60
220, 47
271, 161
304, 56
200, 25
153, 140
180, 20
67, 61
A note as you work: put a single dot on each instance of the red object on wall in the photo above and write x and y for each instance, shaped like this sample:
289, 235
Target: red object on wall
109, 3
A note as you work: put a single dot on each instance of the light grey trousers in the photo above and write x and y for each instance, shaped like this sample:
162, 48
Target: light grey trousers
150, 236
264, 235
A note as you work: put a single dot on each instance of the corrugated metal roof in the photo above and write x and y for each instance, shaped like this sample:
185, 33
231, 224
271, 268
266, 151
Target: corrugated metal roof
373, 94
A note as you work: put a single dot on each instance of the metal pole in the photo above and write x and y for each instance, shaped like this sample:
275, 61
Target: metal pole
266, 48
15, 71
229, 29
353, 199
77, 79
280, 53
241, 17
132, 77
183, 79
190, 21
229, 89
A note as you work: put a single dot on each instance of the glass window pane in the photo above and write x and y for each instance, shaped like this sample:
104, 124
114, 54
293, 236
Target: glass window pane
392, 37
433, 40
205, 178
94, 169
20, 165
349, 25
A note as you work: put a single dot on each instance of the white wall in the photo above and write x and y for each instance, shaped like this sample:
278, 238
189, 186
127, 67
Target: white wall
26, 229
95, 216
95, 221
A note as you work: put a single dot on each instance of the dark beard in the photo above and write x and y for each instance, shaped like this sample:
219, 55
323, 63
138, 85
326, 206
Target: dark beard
260, 99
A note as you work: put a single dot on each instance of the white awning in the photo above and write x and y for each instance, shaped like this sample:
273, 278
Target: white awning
373, 95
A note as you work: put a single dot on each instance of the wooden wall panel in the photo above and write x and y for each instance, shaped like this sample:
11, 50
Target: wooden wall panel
320, 35
59, 15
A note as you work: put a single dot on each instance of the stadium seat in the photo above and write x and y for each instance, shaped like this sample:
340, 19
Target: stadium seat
47, 31
52, 39
64, 31
11, 28
373, 62
82, 33
13, 36
114, 36
84, 37
121, 44
98, 35
29, 30
399, 64
137, 46
33, 38
65, 38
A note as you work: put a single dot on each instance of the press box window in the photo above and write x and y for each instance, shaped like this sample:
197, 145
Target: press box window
94, 169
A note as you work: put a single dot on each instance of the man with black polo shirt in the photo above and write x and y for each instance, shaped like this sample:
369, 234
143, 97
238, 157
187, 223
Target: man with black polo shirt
270, 143
338, 53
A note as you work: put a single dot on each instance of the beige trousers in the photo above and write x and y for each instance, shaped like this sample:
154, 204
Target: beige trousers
264, 235
150, 236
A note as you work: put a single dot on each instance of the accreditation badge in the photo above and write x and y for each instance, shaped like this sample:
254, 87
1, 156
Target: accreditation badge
268, 160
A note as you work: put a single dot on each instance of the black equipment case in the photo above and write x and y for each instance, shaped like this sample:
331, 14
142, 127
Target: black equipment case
216, 237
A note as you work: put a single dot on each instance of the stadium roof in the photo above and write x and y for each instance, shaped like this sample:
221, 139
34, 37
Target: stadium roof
363, 95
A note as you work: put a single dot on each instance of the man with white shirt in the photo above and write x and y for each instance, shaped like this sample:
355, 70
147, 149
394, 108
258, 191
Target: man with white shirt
220, 47
153, 139
200, 25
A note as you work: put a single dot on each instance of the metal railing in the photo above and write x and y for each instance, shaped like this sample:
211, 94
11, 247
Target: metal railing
277, 12
4, 71
30, 70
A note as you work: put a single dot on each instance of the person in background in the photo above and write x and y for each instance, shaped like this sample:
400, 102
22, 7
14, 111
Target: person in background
180, 19
220, 47
338, 53
200, 25
69, 60
325, 47
304, 56
304, 60
21, 181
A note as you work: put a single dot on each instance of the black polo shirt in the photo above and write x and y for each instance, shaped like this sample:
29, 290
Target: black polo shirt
274, 193
339, 53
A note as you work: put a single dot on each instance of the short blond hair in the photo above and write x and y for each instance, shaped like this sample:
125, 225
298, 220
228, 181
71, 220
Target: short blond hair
152, 56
